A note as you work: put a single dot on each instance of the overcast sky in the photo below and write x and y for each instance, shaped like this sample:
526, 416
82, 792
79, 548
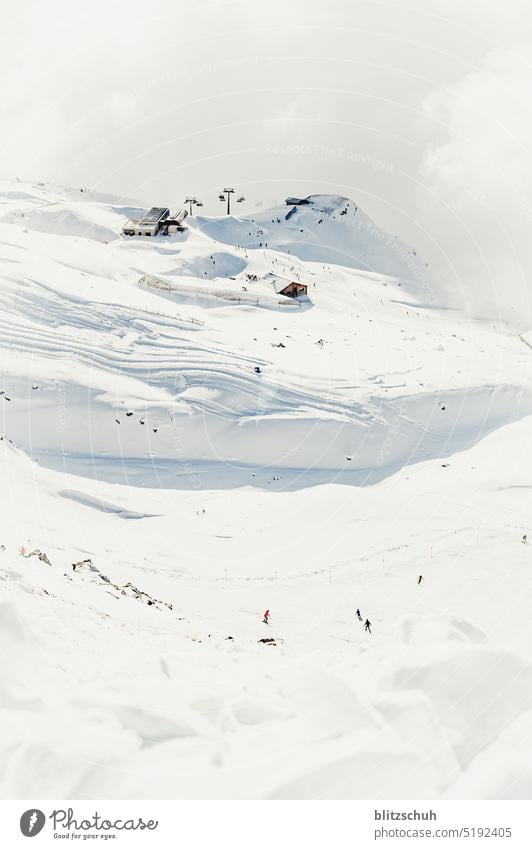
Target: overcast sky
418, 110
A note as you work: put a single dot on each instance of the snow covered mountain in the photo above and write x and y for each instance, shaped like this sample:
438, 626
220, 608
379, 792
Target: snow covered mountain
203, 447
321, 228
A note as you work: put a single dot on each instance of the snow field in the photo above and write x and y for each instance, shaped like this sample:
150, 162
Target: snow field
384, 439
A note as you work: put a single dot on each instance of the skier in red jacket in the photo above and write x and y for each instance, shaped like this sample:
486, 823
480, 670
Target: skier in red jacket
266, 617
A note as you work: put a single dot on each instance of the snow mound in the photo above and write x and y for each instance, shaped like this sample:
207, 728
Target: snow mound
12, 628
475, 692
426, 631
217, 264
326, 229
97, 222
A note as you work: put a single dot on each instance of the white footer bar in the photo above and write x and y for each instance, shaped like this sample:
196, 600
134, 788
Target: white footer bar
265, 824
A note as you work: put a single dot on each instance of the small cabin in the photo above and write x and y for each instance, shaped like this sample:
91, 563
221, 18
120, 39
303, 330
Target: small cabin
294, 290
288, 288
297, 201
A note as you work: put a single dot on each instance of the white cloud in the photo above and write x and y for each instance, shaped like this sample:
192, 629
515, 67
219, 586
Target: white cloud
489, 123
481, 176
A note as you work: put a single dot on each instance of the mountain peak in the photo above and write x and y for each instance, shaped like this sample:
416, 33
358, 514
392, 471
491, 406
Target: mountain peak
320, 228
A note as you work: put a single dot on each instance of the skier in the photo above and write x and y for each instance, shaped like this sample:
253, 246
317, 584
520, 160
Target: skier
266, 617
359, 615
367, 626
419, 579
524, 540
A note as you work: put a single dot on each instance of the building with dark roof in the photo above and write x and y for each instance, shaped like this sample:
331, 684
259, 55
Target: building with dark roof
157, 221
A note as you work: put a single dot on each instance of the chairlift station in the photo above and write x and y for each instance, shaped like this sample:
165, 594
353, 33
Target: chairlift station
157, 222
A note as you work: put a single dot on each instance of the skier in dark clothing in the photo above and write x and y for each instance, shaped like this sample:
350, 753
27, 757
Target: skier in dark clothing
524, 540
367, 626
359, 615
266, 617
420, 579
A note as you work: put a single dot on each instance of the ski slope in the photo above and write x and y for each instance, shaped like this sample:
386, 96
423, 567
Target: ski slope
384, 437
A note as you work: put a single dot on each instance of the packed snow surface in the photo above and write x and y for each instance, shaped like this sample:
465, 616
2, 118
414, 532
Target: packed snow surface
185, 447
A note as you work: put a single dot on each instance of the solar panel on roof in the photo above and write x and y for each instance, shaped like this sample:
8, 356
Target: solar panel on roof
156, 213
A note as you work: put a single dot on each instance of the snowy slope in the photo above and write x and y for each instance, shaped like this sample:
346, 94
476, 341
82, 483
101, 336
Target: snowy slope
384, 438
328, 228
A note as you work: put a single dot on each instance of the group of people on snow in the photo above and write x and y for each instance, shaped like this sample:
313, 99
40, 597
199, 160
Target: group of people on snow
367, 623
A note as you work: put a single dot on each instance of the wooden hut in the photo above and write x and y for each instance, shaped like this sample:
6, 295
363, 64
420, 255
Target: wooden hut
294, 289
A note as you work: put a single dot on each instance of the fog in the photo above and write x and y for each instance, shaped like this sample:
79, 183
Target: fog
419, 112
